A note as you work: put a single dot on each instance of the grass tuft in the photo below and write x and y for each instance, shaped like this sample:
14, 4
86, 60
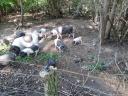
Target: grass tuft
98, 67
24, 59
53, 84
42, 57
46, 55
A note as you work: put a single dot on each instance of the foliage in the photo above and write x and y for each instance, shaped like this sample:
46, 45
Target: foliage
3, 49
49, 7
7, 5
34, 5
54, 8
75, 4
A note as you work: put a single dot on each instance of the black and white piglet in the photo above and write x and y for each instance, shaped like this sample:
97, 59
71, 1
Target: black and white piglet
51, 64
34, 49
26, 52
59, 45
15, 49
77, 40
66, 29
19, 34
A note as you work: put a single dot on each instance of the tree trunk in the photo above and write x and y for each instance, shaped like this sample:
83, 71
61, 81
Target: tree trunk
22, 13
102, 27
110, 21
103, 19
0, 15
96, 14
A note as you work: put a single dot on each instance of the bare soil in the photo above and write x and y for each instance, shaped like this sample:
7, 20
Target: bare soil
75, 77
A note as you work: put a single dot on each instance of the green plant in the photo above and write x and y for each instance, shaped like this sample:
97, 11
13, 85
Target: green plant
99, 66
26, 59
7, 5
53, 84
46, 55
3, 49
42, 57
34, 5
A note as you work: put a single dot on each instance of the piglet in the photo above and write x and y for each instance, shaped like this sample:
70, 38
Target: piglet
61, 30
77, 40
6, 58
51, 64
59, 45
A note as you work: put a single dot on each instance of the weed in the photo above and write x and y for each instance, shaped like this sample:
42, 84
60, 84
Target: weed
98, 67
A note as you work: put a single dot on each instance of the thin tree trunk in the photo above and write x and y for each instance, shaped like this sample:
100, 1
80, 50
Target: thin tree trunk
102, 23
101, 27
0, 15
103, 19
106, 11
96, 17
22, 13
110, 21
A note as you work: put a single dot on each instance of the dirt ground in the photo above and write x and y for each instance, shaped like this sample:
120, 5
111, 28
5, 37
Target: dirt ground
74, 76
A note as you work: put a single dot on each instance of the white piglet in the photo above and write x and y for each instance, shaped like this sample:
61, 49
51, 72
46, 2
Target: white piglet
77, 40
55, 32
